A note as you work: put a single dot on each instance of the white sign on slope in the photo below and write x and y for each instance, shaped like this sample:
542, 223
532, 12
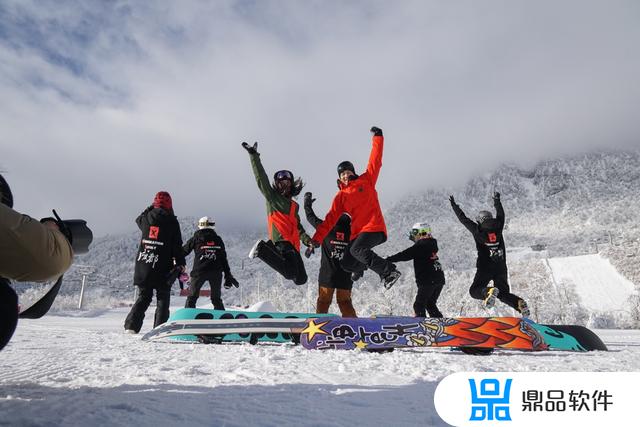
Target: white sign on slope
598, 283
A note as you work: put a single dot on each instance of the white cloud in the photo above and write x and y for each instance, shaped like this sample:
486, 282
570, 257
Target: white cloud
105, 103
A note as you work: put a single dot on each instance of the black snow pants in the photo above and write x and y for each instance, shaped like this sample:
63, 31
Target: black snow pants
145, 295
426, 300
8, 312
499, 274
215, 283
359, 256
283, 257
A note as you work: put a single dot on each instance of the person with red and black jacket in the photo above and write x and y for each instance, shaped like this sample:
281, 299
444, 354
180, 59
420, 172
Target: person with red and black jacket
282, 251
358, 198
209, 262
332, 277
428, 271
491, 264
160, 246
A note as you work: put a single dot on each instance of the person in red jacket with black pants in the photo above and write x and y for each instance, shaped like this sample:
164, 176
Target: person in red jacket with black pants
358, 198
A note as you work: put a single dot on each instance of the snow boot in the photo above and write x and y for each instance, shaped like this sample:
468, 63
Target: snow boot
523, 308
490, 298
253, 253
357, 275
391, 278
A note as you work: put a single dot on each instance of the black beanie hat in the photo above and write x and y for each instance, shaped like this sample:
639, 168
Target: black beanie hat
346, 166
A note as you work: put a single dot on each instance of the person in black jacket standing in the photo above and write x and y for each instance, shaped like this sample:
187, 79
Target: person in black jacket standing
160, 246
209, 262
332, 277
428, 271
491, 264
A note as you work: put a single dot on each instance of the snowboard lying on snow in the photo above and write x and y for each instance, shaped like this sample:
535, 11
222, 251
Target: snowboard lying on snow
213, 326
474, 335
466, 334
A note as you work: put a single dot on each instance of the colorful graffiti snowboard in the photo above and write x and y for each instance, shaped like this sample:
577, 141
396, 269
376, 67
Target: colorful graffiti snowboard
569, 337
205, 325
512, 333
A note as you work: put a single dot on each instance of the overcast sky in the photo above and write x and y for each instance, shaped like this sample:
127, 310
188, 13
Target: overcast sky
104, 103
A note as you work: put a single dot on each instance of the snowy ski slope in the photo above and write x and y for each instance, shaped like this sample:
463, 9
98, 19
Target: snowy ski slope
597, 282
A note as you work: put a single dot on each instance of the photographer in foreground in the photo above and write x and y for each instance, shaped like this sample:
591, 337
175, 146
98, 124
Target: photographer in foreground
32, 250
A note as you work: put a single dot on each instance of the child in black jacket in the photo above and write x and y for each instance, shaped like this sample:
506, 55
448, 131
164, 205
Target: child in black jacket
428, 271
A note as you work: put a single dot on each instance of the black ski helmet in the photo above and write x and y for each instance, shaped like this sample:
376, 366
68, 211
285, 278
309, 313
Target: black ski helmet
346, 166
483, 216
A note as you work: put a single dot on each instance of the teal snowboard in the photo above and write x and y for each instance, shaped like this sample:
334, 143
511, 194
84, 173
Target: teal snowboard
185, 314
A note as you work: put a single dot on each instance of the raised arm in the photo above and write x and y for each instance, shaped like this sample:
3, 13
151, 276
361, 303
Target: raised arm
375, 158
258, 170
469, 224
304, 237
308, 210
142, 221
499, 209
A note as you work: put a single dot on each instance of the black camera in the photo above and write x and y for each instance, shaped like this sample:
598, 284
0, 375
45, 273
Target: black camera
75, 230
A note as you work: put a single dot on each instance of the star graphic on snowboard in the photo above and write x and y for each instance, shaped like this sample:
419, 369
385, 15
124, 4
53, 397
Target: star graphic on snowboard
360, 344
312, 329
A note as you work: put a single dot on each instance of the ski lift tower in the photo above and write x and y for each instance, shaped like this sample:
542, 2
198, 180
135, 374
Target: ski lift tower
85, 270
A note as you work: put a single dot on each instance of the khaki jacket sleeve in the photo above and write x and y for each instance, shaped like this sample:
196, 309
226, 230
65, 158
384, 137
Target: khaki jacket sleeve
29, 251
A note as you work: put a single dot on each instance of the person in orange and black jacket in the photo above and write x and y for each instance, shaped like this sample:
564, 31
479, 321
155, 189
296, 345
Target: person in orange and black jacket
358, 198
282, 251
209, 262
332, 277
160, 247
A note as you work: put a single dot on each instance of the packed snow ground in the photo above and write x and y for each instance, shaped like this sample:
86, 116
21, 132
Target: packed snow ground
81, 369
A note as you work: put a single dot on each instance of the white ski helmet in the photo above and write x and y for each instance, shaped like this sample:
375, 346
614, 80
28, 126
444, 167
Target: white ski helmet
420, 228
205, 222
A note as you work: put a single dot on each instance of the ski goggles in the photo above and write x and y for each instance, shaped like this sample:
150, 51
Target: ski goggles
422, 232
282, 175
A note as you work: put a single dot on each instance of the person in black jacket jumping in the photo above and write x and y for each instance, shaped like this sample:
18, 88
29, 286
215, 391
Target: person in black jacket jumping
492, 262
160, 247
209, 262
332, 277
428, 271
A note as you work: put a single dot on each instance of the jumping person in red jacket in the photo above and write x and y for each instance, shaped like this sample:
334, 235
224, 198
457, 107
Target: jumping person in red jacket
358, 198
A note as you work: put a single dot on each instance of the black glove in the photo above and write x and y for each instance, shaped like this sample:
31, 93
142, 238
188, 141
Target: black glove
376, 131
230, 281
452, 200
496, 196
308, 199
309, 251
251, 149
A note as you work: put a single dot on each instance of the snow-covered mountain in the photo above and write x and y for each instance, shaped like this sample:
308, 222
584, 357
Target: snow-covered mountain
560, 208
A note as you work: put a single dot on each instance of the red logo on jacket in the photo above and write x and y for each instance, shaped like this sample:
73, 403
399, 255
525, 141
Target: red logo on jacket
153, 232
492, 237
340, 236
